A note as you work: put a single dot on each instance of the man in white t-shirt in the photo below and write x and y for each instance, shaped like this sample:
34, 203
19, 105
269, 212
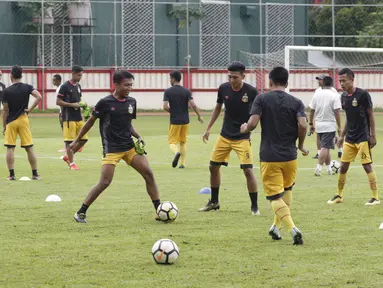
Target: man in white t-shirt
56, 80
325, 106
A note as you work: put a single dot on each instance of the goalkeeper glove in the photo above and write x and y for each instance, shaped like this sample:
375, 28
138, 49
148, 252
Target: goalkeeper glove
86, 113
140, 147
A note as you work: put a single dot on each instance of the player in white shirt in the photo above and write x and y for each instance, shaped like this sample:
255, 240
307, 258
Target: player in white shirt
325, 107
56, 80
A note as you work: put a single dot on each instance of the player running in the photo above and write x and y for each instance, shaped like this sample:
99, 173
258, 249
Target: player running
16, 122
116, 113
176, 100
283, 120
237, 97
358, 136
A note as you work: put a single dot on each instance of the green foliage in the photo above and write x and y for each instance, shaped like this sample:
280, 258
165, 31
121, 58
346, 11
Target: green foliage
179, 12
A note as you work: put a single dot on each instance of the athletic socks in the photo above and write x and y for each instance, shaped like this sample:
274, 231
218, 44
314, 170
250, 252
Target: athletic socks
341, 182
319, 167
156, 203
83, 209
214, 194
183, 153
372, 181
34, 173
254, 199
12, 172
173, 148
282, 211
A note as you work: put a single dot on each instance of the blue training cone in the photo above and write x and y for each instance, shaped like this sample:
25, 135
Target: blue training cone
205, 190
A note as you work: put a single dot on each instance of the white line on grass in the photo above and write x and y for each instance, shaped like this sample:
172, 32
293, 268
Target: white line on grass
358, 165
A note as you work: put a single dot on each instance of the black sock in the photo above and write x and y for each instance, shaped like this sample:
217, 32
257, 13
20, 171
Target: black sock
214, 194
156, 203
254, 199
12, 172
34, 173
83, 209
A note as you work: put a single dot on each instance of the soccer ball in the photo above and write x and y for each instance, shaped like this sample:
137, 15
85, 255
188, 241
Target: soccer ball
335, 165
167, 211
165, 251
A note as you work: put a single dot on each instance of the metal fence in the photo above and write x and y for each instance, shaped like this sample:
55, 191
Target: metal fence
148, 34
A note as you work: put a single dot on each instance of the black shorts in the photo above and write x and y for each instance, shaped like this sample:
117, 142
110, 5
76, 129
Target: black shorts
327, 140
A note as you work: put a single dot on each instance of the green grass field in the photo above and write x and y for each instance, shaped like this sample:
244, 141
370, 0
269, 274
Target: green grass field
42, 246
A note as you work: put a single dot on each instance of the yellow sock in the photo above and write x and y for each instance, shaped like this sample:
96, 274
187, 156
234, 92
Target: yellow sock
374, 187
277, 222
282, 211
287, 198
174, 148
183, 153
341, 182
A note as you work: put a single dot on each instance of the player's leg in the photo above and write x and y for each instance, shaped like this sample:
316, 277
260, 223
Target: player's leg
245, 155
61, 125
173, 140
273, 183
183, 138
349, 153
10, 143
107, 173
366, 160
27, 143
141, 165
84, 139
318, 147
326, 143
220, 156
69, 132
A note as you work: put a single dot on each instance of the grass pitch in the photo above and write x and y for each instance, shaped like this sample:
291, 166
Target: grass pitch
42, 246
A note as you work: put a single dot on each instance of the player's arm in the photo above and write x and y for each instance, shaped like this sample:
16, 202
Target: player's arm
5, 115
36, 94
196, 110
214, 117
75, 145
166, 106
302, 128
135, 133
371, 118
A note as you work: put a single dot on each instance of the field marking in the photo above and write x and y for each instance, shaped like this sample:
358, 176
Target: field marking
169, 163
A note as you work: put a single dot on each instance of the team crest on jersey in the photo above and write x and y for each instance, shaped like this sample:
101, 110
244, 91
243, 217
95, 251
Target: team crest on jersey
245, 99
78, 89
130, 109
354, 102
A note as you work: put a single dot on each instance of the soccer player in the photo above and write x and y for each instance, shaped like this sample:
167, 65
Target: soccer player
176, 100
358, 135
283, 120
116, 113
16, 122
56, 81
69, 98
237, 97
325, 106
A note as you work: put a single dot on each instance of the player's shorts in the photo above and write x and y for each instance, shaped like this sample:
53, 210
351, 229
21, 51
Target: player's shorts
350, 151
71, 129
114, 158
327, 140
278, 177
19, 127
178, 133
223, 147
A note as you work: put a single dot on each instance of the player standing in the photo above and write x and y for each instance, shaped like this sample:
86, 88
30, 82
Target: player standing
16, 122
325, 105
116, 113
237, 97
176, 100
56, 81
283, 120
358, 136
69, 98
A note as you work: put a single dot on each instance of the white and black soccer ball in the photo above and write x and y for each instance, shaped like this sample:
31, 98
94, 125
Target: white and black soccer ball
165, 251
335, 166
167, 211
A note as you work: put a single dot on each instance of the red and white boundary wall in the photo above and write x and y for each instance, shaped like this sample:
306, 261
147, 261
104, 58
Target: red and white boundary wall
150, 84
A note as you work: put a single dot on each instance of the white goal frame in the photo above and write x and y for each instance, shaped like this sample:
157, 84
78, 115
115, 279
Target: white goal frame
324, 48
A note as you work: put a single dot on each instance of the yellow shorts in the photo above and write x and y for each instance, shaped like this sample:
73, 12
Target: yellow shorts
351, 150
20, 127
71, 129
223, 147
114, 158
278, 177
178, 133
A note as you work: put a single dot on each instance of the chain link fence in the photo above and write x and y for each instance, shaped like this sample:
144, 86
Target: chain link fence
209, 34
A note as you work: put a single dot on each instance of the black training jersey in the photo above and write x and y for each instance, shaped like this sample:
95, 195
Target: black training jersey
237, 109
279, 112
358, 124
70, 92
178, 98
115, 123
2, 88
17, 97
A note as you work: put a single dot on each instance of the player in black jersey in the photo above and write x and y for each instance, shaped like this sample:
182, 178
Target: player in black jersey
116, 113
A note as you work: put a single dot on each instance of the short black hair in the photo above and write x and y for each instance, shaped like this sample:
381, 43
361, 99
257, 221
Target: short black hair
236, 66
77, 69
176, 75
348, 72
327, 81
279, 76
57, 77
121, 75
17, 72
